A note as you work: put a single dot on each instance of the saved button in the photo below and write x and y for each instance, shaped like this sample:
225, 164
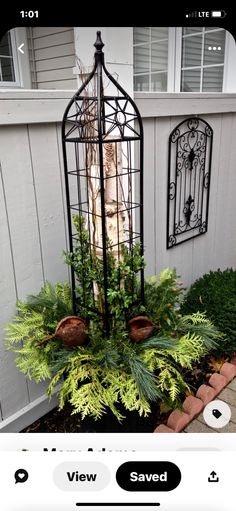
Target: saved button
148, 476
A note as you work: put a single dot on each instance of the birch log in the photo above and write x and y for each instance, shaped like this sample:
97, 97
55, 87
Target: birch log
114, 205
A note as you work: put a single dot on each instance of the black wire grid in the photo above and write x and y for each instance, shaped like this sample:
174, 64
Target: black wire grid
102, 140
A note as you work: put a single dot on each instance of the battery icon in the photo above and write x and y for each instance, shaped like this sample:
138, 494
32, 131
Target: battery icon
218, 14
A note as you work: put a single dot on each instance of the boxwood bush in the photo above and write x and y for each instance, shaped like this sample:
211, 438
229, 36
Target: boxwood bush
215, 294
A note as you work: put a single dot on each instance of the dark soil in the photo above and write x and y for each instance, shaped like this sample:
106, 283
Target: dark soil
55, 422
63, 422
202, 371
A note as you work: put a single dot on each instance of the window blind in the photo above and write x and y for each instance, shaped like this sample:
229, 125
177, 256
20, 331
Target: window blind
150, 58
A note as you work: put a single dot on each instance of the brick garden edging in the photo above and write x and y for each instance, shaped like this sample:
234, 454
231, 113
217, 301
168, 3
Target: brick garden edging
193, 406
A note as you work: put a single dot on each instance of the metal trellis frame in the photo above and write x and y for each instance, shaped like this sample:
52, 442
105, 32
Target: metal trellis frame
102, 140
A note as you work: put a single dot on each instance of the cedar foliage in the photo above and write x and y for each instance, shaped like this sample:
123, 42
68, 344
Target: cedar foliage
106, 372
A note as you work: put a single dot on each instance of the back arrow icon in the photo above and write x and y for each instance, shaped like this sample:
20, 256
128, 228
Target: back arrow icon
20, 48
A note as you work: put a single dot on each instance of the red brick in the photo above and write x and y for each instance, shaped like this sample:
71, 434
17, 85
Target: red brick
218, 381
228, 370
193, 406
233, 359
178, 420
206, 393
163, 429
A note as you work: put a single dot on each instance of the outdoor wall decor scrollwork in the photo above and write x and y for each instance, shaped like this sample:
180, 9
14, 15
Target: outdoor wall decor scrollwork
189, 170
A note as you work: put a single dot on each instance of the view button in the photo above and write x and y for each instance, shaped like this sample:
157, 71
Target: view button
81, 476
148, 476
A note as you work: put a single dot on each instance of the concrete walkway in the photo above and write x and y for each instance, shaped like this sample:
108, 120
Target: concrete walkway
228, 394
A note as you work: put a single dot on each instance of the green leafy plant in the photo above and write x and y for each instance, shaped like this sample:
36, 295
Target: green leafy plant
108, 372
163, 296
122, 280
215, 294
34, 319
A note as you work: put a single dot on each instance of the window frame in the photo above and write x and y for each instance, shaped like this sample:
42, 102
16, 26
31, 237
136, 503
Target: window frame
202, 66
174, 67
149, 72
15, 60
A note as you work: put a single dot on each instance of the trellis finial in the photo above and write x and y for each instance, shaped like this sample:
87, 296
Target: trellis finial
98, 43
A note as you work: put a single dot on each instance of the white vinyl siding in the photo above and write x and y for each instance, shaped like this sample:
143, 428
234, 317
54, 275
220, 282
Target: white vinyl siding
32, 229
52, 57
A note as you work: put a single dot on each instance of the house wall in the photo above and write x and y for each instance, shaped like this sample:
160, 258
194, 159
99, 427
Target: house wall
33, 227
118, 50
52, 57
216, 248
32, 230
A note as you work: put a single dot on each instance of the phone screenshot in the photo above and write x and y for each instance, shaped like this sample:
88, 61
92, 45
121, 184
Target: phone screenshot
118, 262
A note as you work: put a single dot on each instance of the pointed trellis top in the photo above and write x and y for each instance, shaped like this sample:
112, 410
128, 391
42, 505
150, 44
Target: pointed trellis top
116, 113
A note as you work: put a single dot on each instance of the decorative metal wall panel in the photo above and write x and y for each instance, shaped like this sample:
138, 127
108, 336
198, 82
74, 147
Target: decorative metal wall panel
190, 152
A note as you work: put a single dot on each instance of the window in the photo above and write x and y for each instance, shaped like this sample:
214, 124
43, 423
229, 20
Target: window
150, 59
179, 60
202, 65
8, 61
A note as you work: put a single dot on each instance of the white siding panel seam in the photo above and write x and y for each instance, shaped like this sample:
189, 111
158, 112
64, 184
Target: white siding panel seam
9, 232
216, 179
44, 31
154, 207
61, 167
32, 58
58, 57
56, 80
29, 413
54, 57
36, 204
60, 50
41, 36
57, 68
59, 85
55, 40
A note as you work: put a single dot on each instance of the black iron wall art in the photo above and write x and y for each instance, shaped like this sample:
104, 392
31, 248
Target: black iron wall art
102, 137
190, 153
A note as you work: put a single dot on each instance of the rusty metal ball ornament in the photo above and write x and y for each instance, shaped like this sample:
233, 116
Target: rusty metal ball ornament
140, 328
71, 330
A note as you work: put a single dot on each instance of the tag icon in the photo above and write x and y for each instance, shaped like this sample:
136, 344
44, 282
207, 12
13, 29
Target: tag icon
217, 414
